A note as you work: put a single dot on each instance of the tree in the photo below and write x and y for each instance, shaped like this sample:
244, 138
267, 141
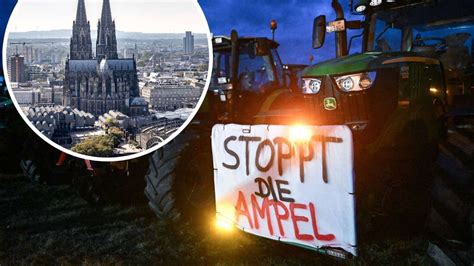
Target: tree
134, 144
100, 146
110, 122
117, 134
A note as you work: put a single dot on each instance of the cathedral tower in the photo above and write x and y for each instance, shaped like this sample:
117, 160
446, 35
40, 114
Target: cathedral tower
81, 44
106, 39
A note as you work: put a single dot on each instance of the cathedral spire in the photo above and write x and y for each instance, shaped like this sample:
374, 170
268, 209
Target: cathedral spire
81, 17
81, 44
106, 38
106, 17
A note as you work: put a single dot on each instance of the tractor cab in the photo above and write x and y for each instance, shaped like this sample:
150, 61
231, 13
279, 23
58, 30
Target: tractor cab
437, 29
246, 71
400, 73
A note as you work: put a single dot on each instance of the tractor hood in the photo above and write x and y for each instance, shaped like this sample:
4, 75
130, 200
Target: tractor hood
365, 62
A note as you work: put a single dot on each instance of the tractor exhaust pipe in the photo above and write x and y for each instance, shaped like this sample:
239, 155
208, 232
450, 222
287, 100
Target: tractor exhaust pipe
234, 58
341, 36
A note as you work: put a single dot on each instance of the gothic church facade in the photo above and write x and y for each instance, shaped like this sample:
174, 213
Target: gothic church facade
102, 83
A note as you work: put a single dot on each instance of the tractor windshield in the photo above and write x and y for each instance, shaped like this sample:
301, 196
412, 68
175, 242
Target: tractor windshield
386, 37
255, 72
221, 70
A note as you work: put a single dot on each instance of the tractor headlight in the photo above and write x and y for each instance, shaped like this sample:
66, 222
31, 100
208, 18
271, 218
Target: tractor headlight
311, 85
346, 83
356, 82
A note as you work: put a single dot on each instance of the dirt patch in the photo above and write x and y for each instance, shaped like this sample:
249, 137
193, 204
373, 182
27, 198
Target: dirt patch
42, 224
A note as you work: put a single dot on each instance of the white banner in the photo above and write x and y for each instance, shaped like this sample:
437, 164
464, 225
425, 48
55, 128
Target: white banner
271, 183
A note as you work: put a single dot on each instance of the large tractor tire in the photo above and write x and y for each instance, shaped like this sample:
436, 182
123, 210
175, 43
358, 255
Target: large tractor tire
395, 185
38, 161
180, 180
109, 183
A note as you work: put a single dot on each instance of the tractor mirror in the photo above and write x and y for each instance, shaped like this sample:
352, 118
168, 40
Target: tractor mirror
319, 31
252, 50
262, 48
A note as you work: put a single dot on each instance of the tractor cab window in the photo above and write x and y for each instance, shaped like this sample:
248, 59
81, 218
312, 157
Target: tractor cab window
278, 66
221, 69
255, 72
452, 46
387, 38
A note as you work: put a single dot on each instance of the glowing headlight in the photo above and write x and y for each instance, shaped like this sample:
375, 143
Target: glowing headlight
311, 86
356, 82
300, 134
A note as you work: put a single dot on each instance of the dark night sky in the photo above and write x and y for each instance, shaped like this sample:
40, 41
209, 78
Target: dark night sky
6, 7
295, 21
252, 18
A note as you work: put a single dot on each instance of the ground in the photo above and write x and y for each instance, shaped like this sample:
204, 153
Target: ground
42, 224
51, 224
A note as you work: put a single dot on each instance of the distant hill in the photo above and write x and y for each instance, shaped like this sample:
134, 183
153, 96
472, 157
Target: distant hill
66, 34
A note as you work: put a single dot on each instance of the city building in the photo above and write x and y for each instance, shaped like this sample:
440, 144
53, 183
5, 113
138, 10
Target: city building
39, 56
28, 51
98, 85
17, 69
58, 122
170, 97
130, 52
188, 43
122, 120
28, 97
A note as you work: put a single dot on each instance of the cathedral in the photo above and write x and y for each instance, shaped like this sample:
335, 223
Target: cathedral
100, 83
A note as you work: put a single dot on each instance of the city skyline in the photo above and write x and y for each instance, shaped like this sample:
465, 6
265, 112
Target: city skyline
163, 19
102, 97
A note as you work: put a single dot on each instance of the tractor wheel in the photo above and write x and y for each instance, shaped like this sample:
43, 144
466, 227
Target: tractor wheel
38, 161
180, 180
31, 171
86, 187
395, 185
108, 184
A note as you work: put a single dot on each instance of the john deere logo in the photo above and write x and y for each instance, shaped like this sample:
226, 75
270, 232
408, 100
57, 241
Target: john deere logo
330, 104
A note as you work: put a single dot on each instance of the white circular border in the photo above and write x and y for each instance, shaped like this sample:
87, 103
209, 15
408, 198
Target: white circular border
108, 159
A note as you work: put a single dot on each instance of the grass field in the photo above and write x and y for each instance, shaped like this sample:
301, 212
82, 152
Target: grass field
51, 224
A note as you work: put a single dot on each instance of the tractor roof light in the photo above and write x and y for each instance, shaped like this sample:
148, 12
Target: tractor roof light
360, 8
375, 2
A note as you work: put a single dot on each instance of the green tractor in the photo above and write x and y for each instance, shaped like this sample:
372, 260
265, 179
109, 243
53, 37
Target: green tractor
394, 95
249, 85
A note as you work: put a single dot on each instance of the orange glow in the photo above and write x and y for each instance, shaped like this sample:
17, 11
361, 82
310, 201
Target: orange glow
300, 134
223, 224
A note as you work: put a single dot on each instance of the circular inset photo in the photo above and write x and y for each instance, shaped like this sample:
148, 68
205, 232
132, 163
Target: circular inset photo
107, 80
